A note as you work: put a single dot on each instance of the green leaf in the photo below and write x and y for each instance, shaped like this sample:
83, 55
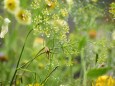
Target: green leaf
94, 73
82, 43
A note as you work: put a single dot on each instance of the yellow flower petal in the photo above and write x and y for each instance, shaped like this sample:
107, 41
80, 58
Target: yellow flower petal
23, 16
105, 81
11, 5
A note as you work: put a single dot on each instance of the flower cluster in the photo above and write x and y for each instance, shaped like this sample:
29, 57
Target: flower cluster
22, 16
102, 50
35, 4
50, 19
112, 9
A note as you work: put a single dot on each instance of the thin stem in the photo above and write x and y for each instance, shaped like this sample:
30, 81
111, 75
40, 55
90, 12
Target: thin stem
51, 56
38, 54
20, 57
30, 61
83, 66
49, 75
109, 57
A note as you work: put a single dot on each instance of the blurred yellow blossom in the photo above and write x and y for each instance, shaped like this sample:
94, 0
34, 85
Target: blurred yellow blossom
38, 43
41, 66
113, 35
92, 34
112, 9
11, 5
59, 22
23, 17
35, 4
104, 81
50, 3
64, 12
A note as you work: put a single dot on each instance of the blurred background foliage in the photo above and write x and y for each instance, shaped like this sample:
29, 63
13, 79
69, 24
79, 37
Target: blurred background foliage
76, 35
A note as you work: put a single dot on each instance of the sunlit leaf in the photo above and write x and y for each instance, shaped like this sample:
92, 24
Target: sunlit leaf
93, 73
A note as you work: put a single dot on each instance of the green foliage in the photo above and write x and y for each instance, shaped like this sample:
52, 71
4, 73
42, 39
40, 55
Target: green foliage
112, 9
1, 20
82, 43
94, 73
49, 21
85, 15
71, 43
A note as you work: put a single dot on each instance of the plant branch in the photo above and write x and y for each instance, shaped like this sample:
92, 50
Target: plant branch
49, 75
20, 57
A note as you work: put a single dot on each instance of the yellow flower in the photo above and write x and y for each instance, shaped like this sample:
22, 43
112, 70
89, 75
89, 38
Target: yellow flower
92, 34
23, 16
64, 12
41, 66
38, 43
105, 81
50, 3
59, 22
11, 5
113, 35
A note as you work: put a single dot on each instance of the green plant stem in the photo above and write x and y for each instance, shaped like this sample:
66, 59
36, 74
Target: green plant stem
20, 57
70, 69
109, 57
83, 67
49, 75
29, 62
51, 56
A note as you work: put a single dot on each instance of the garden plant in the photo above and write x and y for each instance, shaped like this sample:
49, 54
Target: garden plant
57, 43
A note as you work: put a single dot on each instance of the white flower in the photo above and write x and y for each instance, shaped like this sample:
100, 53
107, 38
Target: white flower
4, 27
113, 35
